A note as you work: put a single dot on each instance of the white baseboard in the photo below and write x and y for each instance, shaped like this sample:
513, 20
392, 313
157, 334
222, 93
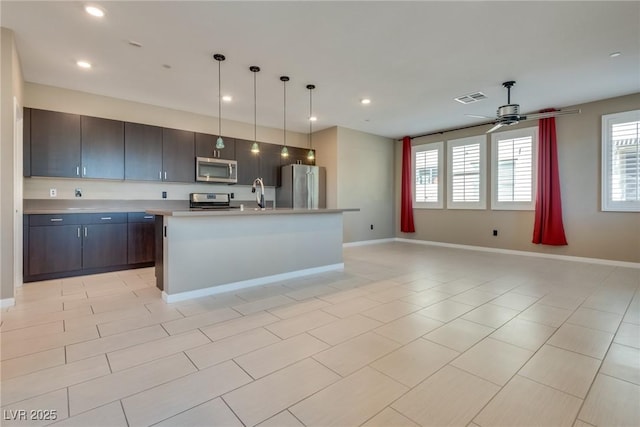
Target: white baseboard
524, 253
7, 302
368, 242
182, 296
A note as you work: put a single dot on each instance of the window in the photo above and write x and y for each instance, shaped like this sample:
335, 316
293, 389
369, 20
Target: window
427, 167
467, 173
514, 169
621, 161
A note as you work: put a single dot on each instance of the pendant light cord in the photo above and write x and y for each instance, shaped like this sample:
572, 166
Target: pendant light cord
284, 85
255, 109
219, 102
310, 115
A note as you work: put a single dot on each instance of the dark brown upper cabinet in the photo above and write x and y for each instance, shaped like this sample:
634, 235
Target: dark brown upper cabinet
178, 155
298, 156
206, 147
55, 144
26, 141
270, 161
248, 162
102, 148
142, 152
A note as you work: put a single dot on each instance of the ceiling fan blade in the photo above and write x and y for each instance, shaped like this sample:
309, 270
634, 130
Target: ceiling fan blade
478, 116
536, 116
498, 126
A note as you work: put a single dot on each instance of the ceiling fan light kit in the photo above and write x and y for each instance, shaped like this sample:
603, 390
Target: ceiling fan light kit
509, 114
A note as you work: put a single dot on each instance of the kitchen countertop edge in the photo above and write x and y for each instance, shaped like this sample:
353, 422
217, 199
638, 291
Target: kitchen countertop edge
246, 212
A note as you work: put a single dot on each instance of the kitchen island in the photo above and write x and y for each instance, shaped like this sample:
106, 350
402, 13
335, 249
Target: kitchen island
205, 252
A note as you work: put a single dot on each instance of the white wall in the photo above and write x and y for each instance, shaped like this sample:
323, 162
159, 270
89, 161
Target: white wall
365, 180
326, 144
11, 93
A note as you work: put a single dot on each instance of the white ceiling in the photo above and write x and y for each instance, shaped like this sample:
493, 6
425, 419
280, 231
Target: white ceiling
410, 58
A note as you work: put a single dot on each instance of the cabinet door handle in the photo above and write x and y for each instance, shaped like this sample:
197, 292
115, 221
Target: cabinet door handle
165, 175
84, 171
160, 175
85, 232
78, 232
56, 220
77, 170
105, 218
148, 217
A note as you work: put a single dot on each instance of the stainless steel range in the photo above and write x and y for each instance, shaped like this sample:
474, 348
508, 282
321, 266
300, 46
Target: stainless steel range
209, 201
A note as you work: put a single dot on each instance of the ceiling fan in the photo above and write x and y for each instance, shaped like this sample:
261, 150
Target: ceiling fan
509, 114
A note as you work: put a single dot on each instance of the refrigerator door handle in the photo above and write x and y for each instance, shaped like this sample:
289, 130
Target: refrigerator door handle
309, 179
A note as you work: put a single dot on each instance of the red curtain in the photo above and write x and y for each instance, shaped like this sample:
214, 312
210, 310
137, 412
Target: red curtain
548, 228
406, 202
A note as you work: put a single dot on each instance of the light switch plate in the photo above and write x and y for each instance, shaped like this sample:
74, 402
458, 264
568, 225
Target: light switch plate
53, 192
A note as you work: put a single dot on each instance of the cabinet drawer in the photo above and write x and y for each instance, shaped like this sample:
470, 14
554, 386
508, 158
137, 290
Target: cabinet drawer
140, 217
53, 219
104, 218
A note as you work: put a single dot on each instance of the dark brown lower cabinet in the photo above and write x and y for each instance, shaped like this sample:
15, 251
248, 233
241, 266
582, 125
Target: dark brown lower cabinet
67, 245
140, 238
104, 245
54, 249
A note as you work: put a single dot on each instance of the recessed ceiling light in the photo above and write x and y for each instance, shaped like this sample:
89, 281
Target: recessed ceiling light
94, 11
227, 98
313, 119
83, 64
615, 54
365, 101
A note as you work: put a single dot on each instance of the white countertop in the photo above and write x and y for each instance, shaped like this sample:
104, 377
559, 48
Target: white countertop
245, 212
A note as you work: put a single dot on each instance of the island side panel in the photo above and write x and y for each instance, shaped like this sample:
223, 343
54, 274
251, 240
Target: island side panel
208, 251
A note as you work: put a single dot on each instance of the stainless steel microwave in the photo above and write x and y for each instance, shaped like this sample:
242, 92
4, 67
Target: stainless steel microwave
216, 170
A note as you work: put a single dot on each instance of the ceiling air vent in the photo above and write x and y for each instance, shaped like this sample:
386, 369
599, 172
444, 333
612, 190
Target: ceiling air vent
472, 97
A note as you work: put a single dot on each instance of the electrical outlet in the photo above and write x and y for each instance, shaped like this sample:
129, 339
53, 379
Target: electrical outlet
372, 226
495, 232
164, 194
78, 192
53, 192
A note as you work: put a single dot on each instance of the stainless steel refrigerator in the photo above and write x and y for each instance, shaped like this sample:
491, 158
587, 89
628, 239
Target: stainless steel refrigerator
302, 187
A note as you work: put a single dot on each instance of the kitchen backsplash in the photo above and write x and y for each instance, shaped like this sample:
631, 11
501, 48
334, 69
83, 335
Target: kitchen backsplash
39, 188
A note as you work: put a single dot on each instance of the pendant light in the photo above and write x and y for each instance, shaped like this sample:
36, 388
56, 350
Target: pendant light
311, 155
219, 142
285, 151
255, 148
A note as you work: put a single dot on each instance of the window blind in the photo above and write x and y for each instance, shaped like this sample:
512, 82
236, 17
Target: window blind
515, 169
465, 171
624, 162
426, 176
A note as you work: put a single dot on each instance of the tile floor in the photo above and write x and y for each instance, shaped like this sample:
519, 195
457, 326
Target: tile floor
406, 335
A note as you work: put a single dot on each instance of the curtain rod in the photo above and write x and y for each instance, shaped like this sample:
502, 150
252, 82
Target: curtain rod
448, 130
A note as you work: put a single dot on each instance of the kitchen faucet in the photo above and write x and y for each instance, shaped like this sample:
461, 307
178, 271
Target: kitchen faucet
260, 195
